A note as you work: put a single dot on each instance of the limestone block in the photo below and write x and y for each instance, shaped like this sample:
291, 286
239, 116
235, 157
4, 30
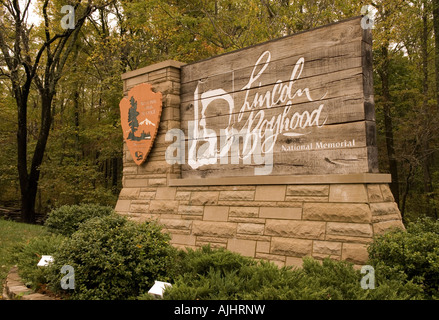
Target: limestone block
129, 194
306, 199
236, 203
308, 190
163, 206
153, 167
279, 260
142, 217
136, 182
327, 247
291, 247
204, 197
245, 212
343, 212
212, 239
244, 247
263, 246
215, 229
289, 204
216, 213
148, 189
280, 213
183, 239
396, 216
176, 223
122, 206
387, 193
350, 239
270, 193
157, 182
212, 244
236, 195
355, 253
347, 193
255, 237
130, 170
182, 195
374, 193
349, 229
294, 262
191, 210
165, 193
250, 228
385, 226
147, 195
142, 208
296, 229
246, 220
384, 208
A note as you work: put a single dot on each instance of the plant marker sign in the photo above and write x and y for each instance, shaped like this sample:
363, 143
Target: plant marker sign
140, 115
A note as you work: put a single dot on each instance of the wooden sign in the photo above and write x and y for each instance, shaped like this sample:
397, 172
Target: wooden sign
140, 115
304, 101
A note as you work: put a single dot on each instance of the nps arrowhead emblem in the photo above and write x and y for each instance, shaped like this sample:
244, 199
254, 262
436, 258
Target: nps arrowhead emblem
140, 115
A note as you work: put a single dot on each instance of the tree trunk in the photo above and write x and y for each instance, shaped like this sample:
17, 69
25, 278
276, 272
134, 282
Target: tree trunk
29, 182
27, 196
425, 136
407, 190
436, 42
114, 174
393, 164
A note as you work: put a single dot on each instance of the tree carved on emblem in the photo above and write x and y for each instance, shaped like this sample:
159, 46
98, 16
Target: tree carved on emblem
133, 122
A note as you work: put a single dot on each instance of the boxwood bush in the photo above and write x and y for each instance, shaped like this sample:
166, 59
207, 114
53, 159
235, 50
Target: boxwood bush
114, 258
66, 219
413, 253
27, 255
219, 274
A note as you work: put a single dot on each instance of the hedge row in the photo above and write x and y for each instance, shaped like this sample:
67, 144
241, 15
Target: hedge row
115, 258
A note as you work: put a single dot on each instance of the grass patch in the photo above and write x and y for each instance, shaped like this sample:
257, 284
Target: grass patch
11, 234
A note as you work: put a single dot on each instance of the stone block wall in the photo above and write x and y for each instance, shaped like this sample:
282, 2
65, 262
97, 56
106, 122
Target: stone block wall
281, 219
281, 223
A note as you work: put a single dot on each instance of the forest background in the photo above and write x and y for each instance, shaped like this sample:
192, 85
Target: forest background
60, 136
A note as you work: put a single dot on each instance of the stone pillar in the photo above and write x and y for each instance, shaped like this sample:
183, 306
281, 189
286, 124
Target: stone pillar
141, 184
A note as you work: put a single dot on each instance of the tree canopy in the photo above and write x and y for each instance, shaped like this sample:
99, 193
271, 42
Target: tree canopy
60, 88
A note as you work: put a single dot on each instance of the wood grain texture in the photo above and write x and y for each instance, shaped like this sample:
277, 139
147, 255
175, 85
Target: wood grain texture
314, 90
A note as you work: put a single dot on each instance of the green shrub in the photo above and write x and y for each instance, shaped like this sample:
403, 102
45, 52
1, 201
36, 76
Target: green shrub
219, 274
66, 219
202, 260
29, 254
114, 258
339, 280
413, 253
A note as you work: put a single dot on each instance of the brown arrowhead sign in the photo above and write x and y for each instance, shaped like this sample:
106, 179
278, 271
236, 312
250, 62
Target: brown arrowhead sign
140, 117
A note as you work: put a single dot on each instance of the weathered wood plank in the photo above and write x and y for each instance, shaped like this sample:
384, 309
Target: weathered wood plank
332, 35
342, 102
336, 161
326, 60
320, 142
329, 133
336, 110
